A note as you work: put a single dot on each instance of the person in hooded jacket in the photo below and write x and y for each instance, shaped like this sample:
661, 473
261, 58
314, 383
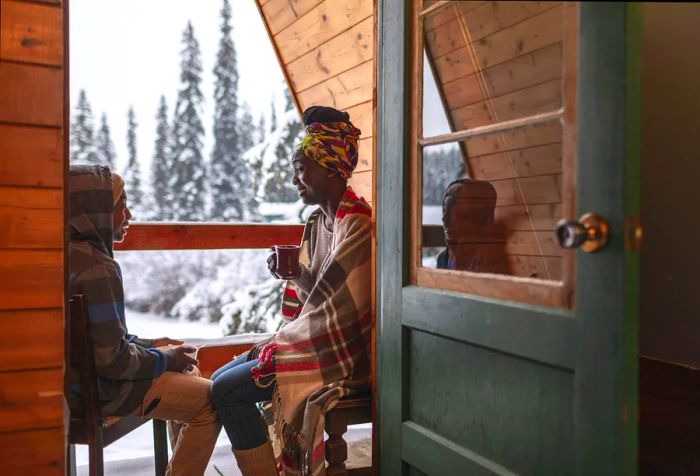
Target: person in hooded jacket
150, 378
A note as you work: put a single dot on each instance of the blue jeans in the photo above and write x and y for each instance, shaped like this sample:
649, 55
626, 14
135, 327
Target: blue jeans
235, 394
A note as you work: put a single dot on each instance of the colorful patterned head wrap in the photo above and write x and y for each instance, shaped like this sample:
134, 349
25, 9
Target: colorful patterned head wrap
333, 145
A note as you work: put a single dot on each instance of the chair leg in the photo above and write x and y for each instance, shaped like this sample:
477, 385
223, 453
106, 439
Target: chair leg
160, 446
336, 447
95, 448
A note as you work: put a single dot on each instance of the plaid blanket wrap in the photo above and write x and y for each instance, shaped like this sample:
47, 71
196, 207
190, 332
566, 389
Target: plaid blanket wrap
322, 353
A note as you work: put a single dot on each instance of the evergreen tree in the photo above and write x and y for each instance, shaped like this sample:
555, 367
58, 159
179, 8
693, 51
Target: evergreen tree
104, 145
247, 129
161, 168
279, 187
187, 180
132, 173
231, 179
261, 129
440, 168
82, 133
273, 116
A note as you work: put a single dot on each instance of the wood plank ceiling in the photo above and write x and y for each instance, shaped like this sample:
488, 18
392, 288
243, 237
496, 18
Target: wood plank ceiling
326, 50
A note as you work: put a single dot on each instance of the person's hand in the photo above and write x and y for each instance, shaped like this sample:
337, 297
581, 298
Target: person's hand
254, 351
183, 361
165, 341
272, 265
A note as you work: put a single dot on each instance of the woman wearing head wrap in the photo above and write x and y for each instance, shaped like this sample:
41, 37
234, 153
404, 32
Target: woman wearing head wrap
322, 353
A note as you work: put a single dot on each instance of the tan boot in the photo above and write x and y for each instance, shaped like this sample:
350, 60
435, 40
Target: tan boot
258, 461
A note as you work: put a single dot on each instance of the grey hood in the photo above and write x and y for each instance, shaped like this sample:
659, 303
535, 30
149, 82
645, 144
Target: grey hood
91, 206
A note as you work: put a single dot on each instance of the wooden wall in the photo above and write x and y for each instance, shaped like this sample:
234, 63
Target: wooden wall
326, 49
31, 236
669, 439
493, 62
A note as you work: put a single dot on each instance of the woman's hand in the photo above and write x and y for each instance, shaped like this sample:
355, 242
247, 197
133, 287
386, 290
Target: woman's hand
165, 341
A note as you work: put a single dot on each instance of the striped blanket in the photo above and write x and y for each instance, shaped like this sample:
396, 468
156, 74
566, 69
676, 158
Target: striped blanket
322, 353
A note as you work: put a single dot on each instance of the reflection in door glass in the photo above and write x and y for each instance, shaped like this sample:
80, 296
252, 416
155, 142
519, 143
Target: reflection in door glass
492, 62
495, 210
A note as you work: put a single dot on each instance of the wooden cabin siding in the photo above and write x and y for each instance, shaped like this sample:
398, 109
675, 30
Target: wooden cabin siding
496, 61
31, 237
326, 50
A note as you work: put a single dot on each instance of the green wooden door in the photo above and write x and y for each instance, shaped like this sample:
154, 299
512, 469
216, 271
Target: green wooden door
470, 384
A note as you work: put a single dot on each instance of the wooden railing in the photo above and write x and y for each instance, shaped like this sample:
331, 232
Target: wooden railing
211, 236
207, 236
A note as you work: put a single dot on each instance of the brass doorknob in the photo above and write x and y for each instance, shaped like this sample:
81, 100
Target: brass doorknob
590, 233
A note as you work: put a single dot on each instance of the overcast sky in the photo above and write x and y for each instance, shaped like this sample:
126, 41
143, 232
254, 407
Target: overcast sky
128, 53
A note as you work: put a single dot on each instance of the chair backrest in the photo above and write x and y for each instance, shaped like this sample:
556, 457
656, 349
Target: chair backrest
82, 356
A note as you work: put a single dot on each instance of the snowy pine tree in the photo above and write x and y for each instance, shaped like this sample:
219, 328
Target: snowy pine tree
230, 176
273, 117
160, 167
187, 173
441, 166
82, 133
247, 129
104, 145
279, 187
132, 173
262, 129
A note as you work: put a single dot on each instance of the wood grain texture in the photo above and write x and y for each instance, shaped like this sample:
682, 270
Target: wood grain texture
201, 236
29, 94
461, 88
28, 339
362, 117
319, 25
525, 37
31, 399
365, 152
521, 289
544, 97
669, 409
348, 89
361, 182
31, 32
29, 453
31, 217
336, 56
31, 148
492, 17
279, 14
535, 217
526, 162
31, 279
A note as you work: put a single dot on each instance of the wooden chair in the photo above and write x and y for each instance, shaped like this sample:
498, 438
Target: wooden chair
92, 429
349, 411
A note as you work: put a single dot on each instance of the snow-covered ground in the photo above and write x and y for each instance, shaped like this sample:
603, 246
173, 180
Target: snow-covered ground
152, 325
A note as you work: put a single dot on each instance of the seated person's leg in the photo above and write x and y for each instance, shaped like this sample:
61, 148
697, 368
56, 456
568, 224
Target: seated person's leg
186, 399
235, 393
237, 361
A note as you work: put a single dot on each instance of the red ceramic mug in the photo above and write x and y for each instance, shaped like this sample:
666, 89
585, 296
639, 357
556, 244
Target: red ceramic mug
287, 261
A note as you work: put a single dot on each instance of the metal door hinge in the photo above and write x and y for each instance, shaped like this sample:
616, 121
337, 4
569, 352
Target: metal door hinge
633, 234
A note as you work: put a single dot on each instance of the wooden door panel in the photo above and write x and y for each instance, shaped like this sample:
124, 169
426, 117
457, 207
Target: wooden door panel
512, 411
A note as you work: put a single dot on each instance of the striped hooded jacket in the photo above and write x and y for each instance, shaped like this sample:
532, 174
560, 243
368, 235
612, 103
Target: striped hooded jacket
126, 366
